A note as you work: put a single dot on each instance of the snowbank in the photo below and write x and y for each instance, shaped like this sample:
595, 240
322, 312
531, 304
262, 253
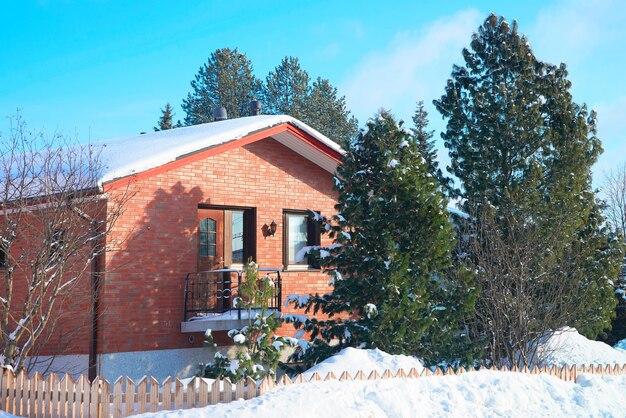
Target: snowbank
353, 359
621, 346
476, 394
568, 347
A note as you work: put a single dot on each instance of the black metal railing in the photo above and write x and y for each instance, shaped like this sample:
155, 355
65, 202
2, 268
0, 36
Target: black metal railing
213, 292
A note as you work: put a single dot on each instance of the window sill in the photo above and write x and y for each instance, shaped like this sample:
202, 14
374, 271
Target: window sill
300, 268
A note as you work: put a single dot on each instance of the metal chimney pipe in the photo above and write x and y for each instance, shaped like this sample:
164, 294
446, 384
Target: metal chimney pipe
220, 114
255, 107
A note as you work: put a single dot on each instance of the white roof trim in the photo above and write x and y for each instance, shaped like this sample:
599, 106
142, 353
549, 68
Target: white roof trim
131, 155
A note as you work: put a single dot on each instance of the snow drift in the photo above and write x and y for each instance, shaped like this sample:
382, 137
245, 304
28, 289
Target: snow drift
568, 347
353, 359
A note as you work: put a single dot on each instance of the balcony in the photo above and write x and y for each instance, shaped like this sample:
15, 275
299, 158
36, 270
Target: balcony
209, 299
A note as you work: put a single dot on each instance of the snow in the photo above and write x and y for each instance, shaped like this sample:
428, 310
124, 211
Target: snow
476, 394
354, 359
130, 155
230, 314
6, 415
457, 212
567, 346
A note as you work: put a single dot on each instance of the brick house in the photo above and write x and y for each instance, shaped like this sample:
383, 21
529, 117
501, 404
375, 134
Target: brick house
206, 198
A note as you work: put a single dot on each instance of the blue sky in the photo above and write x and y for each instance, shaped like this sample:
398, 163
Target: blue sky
101, 69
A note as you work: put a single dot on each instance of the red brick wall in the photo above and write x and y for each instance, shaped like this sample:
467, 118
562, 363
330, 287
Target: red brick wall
143, 300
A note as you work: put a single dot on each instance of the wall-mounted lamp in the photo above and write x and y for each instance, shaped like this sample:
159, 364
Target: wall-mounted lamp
269, 230
272, 229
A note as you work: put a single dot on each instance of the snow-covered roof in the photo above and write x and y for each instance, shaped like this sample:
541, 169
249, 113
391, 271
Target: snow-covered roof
130, 155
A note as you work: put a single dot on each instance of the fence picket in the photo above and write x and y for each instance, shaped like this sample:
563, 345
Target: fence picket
37, 381
63, 397
215, 392
129, 405
154, 395
227, 390
203, 393
118, 411
85, 390
71, 396
167, 394
240, 390
10, 385
373, 376
54, 385
105, 398
251, 384
142, 395
94, 398
179, 394
191, 392
265, 386
21, 394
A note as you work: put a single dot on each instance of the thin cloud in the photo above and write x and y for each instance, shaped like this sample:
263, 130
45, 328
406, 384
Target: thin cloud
571, 30
413, 66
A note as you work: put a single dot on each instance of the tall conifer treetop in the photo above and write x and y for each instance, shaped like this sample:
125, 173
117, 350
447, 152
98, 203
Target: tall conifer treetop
166, 121
286, 89
226, 80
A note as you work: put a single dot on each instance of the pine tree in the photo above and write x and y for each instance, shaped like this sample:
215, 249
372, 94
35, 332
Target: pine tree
424, 139
166, 121
519, 144
391, 262
225, 80
286, 89
328, 114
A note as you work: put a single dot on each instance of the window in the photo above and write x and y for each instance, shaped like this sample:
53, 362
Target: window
226, 237
237, 237
299, 232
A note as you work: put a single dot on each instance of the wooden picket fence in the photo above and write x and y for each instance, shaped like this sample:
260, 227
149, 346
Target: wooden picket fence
37, 396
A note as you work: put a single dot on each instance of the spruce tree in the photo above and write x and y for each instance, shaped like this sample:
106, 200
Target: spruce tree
328, 114
394, 288
424, 139
166, 121
286, 89
519, 144
226, 80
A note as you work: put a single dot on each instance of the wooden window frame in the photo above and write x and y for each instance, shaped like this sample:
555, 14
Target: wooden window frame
313, 239
249, 232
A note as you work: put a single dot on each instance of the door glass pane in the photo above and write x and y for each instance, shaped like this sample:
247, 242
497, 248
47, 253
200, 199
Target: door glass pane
297, 232
207, 232
237, 234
